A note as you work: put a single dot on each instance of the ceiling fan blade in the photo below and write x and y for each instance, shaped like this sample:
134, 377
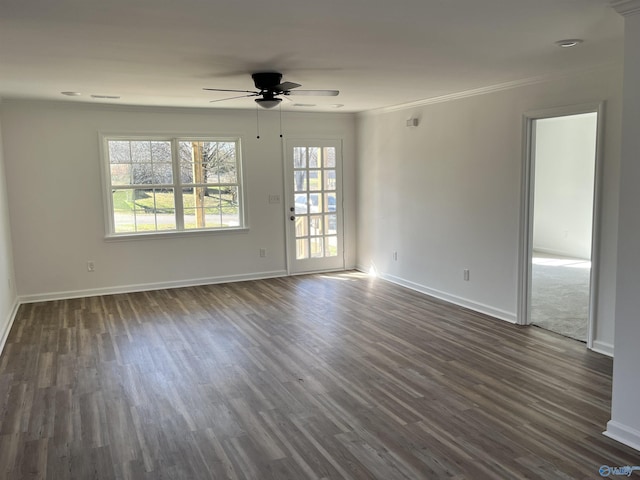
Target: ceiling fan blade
225, 90
317, 93
231, 98
284, 86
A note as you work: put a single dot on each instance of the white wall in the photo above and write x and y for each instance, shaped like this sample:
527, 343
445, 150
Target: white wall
625, 420
446, 195
56, 205
8, 297
564, 181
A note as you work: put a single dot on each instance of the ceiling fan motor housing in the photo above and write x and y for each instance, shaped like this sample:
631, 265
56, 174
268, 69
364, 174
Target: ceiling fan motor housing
266, 80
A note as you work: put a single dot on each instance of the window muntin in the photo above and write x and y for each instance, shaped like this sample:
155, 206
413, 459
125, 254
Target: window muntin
164, 185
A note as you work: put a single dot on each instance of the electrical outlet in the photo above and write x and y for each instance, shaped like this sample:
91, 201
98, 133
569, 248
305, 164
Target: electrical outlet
263, 252
465, 274
395, 256
91, 266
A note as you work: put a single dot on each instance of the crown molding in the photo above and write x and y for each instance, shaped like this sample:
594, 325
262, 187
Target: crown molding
626, 7
489, 89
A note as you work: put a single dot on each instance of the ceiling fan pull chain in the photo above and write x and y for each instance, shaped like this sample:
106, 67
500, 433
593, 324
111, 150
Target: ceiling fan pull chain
257, 123
280, 106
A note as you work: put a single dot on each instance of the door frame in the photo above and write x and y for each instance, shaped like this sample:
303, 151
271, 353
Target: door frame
527, 204
287, 169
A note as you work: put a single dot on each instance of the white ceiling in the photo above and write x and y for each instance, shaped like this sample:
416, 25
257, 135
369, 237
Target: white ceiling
378, 53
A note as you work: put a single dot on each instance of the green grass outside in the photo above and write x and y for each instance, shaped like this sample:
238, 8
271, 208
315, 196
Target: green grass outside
164, 203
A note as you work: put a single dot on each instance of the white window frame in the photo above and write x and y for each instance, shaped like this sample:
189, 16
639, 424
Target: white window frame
177, 185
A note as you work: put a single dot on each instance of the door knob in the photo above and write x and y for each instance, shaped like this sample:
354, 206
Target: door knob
292, 217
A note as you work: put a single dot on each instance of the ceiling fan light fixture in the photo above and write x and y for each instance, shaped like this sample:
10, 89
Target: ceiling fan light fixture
569, 42
268, 102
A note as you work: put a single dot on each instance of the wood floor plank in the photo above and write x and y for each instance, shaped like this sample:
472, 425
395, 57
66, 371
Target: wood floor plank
334, 376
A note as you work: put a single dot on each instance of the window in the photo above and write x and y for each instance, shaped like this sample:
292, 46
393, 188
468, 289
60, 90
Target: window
160, 185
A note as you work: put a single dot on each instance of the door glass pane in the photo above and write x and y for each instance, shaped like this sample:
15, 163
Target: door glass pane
330, 202
315, 203
302, 204
302, 248
329, 179
315, 224
314, 157
317, 247
329, 157
315, 180
330, 224
302, 227
300, 181
331, 246
299, 157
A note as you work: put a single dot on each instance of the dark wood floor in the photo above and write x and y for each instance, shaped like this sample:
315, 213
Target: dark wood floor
313, 377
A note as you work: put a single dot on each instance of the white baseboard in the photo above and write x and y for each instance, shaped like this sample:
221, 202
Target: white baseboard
603, 348
144, 287
9, 323
623, 434
462, 302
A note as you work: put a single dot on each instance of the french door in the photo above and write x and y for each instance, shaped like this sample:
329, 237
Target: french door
314, 205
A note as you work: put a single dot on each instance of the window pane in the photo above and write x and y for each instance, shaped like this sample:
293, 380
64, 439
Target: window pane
220, 160
162, 173
206, 207
208, 162
329, 157
119, 151
229, 200
200, 204
154, 209
120, 174
123, 215
141, 152
300, 179
299, 157
231, 217
314, 157
185, 153
148, 163
142, 173
189, 219
161, 152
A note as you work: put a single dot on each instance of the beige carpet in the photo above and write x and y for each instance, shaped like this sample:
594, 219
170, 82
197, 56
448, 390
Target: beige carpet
560, 294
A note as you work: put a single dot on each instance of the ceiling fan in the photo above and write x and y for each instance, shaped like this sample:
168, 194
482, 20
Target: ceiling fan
270, 87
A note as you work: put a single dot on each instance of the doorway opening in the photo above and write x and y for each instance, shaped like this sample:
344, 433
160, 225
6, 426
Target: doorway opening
558, 277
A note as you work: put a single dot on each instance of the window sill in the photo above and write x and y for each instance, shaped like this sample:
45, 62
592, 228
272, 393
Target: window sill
173, 234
